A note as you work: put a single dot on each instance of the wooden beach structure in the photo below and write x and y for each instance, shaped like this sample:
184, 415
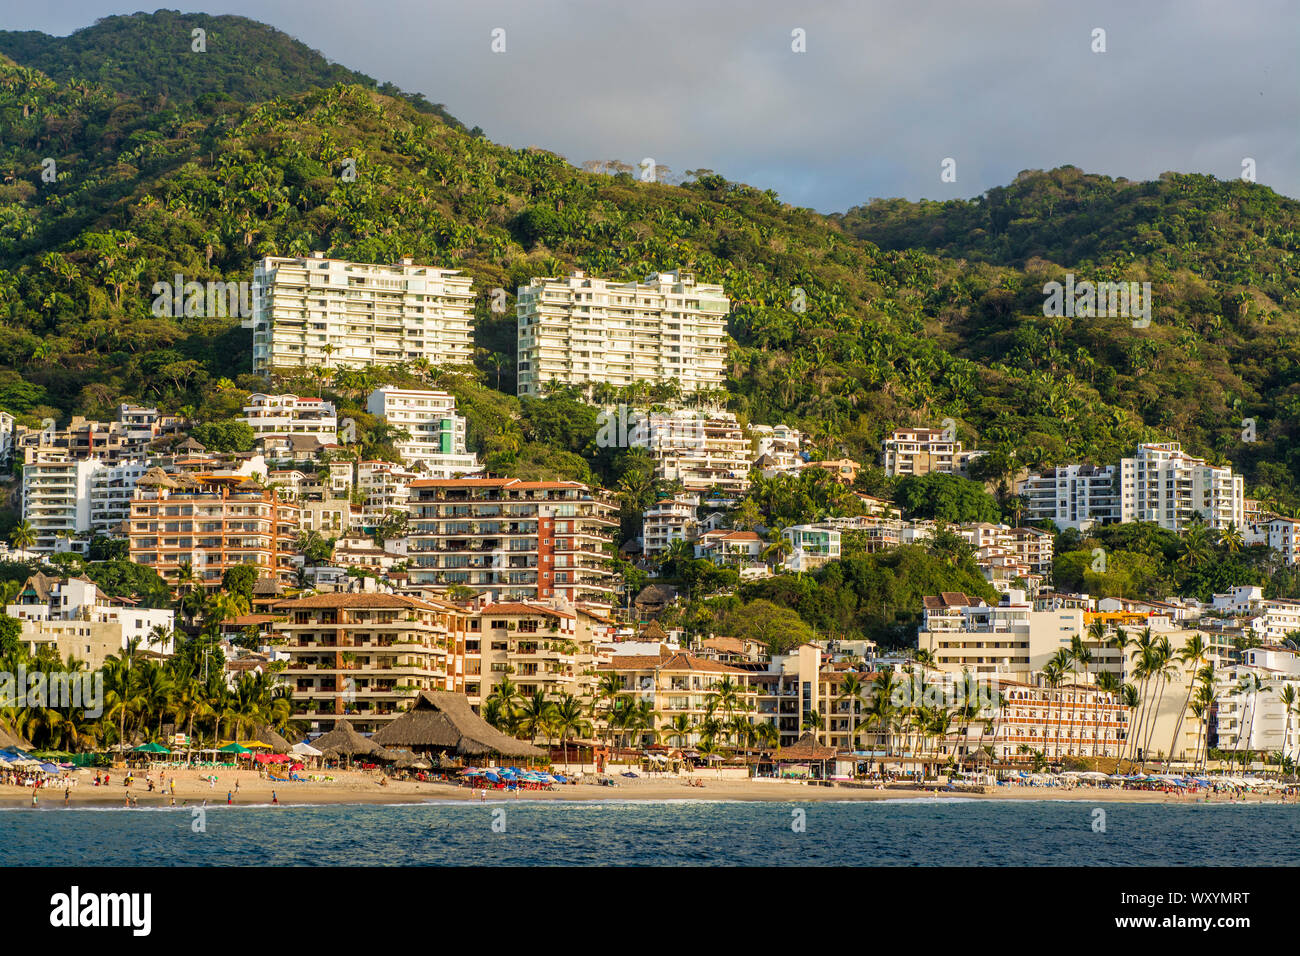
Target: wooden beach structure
442, 723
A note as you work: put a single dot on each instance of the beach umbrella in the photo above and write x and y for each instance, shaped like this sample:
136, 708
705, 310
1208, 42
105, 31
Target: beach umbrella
305, 750
51, 768
234, 748
150, 748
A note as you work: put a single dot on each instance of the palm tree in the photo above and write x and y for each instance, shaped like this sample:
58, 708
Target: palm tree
680, 728
1289, 700
1192, 653
1081, 655
23, 535
1131, 699
851, 690
1164, 670
569, 718
1107, 683
1054, 675
536, 714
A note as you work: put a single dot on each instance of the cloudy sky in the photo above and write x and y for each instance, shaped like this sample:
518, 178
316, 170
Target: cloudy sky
882, 95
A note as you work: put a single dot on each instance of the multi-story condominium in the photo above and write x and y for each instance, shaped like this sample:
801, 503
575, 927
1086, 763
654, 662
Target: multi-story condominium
1280, 618
776, 449
435, 447
1075, 496
1160, 484
211, 523
130, 436
1279, 533
327, 312
285, 415
1033, 547
810, 546
44, 599
539, 648
1072, 720
1250, 717
668, 521
1170, 488
56, 498
919, 451
792, 687
703, 452
583, 331
363, 657
111, 489
1011, 638
512, 540
678, 684
385, 490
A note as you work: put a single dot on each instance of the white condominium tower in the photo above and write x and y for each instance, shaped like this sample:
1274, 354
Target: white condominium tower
435, 435
1161, 484
326, 312
585, 331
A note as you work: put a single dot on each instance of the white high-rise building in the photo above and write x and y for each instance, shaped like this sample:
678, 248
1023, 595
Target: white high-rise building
327, 312
436, 446
63, 497
1075, 496
586, 331
1160, 484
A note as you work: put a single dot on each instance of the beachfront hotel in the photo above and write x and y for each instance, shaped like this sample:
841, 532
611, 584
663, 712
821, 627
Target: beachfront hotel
539, 648
332, 313
676, 684
362, 656
512, 540
585, 331
212, 523
1010, 639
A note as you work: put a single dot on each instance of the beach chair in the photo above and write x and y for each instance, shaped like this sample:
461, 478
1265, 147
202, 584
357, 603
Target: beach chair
294, 776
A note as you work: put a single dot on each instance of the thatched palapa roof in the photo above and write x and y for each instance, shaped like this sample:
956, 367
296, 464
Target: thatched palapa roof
443, 721
267, 735
344, 741
10, 739
806, 748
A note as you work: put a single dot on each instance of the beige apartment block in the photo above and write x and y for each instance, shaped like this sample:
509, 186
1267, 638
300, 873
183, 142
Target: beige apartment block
332, 313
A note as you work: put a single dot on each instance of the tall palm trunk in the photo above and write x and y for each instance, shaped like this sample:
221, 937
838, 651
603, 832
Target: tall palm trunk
1178, 724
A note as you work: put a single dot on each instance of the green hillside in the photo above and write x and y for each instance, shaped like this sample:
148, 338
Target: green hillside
914, 312
152, 56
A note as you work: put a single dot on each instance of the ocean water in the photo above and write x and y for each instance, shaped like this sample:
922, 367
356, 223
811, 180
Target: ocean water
905, 832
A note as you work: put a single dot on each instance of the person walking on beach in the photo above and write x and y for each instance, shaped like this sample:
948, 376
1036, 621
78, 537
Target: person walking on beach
274, 800
230, 798
67, 796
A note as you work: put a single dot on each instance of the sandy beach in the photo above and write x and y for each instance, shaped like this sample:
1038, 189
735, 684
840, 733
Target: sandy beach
192, 788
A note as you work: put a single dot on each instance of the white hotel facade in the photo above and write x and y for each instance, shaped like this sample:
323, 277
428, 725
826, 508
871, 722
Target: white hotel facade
333, 313
585, 331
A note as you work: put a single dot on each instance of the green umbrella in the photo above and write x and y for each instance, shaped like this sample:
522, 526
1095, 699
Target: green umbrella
233, 749
151, 748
